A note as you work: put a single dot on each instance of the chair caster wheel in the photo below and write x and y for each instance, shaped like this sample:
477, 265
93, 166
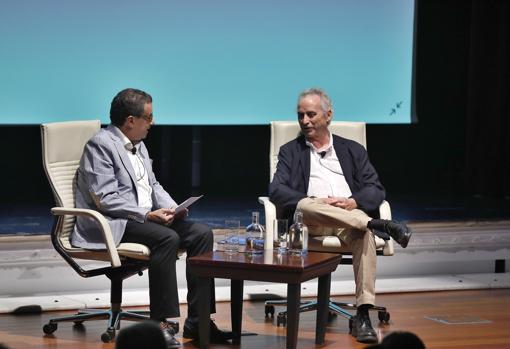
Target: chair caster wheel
383, 316
108, 336
331, 316
281, 319
49, 328
269, 310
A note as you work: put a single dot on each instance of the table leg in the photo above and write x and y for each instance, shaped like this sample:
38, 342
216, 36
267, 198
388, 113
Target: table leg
204, 310
236, 309
322, 307
293, 302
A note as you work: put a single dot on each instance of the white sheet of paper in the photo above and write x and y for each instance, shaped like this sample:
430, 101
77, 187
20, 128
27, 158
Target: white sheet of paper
186, 203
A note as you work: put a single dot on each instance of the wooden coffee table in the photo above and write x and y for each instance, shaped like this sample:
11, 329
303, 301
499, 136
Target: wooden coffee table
270, 267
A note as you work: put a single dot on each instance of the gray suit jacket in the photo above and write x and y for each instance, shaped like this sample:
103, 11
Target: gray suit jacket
106, 183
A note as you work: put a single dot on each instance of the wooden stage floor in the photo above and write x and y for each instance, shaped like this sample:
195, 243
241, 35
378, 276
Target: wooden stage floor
479, 319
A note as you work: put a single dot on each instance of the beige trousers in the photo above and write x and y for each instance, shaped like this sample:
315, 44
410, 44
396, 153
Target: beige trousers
351, 228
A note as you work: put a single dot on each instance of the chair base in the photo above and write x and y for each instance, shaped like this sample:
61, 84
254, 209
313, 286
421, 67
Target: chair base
335, 308
114, 317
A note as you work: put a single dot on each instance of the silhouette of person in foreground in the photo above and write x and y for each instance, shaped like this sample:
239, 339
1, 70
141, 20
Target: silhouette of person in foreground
399, 340
145, 334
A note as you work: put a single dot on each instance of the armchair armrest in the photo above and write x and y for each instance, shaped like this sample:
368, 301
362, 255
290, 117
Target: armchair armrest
103, 224
385, 210
385, 213
270, 216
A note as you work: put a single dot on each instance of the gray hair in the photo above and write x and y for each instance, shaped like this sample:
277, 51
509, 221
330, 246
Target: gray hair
325, 100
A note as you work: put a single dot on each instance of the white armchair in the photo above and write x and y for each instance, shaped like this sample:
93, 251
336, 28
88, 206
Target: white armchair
281, 133
62, 147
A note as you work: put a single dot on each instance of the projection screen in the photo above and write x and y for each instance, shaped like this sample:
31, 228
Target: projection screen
206, 62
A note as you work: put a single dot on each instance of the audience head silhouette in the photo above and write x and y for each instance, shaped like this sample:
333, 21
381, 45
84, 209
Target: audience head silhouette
145, 334
399, 340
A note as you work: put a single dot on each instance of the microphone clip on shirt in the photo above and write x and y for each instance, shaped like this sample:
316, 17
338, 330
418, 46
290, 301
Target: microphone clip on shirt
322, 155
138, 162
130, 147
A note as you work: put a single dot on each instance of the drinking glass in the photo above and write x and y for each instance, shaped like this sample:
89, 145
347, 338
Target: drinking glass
232, 236
281, 235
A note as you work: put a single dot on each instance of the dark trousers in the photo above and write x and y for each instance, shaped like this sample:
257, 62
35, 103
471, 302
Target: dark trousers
164, 242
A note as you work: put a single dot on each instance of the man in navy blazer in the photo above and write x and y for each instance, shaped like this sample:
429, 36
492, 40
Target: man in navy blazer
331, 180
115, 177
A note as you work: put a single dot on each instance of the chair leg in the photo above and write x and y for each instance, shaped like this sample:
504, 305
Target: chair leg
282, 316
312, 306
83, 315
334, 308
114, 315
269, 306
382, 313
141, 315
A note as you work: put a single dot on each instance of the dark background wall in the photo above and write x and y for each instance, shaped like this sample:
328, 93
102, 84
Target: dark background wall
422, 160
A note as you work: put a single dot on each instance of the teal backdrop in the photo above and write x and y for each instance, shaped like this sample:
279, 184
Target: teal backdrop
206, 62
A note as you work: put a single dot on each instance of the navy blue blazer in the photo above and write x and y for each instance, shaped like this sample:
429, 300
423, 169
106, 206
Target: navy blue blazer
290, 182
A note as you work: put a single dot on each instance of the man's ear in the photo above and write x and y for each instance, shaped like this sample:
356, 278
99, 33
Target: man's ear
130, 120
329, 116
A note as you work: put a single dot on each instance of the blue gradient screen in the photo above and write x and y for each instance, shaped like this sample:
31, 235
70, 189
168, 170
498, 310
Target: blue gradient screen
205, 62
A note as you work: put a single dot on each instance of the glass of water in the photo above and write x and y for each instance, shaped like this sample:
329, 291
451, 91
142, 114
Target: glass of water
232, 236
281, 235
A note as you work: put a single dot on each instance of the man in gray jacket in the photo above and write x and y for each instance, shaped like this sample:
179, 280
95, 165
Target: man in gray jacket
115, 177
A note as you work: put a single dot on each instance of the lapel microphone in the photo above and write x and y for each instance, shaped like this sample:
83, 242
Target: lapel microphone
133, 150
323, 154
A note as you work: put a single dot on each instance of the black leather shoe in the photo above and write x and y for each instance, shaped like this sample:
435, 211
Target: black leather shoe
400, 232
216, 335
362, 329
168, 334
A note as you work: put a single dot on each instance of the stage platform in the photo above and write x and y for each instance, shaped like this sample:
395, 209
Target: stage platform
441, 256
456, 245
443, 320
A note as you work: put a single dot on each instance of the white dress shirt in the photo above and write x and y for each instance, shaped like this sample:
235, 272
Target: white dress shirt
326, 175
143, 188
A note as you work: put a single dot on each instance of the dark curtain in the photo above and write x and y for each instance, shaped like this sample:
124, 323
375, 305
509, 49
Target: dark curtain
488, 106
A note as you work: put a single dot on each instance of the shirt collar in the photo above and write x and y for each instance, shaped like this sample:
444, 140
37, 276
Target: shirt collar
326, 148
125, 141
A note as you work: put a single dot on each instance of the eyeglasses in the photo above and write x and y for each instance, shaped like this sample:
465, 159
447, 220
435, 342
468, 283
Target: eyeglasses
148, 118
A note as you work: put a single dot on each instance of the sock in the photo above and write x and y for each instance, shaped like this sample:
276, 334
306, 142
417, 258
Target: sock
363, 309
378, 228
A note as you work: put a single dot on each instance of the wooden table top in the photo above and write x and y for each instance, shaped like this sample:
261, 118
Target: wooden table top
271, 267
